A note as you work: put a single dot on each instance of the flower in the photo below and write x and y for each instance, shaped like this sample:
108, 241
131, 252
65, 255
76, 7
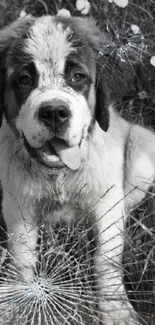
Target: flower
120, 3
152, 60
64, 13
83, 6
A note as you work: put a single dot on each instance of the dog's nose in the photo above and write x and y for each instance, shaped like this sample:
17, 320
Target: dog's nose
51, 114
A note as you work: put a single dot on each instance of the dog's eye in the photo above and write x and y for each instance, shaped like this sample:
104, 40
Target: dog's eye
78, 77
25, 80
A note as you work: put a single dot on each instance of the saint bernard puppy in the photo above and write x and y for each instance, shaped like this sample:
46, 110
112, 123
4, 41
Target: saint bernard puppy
60, 144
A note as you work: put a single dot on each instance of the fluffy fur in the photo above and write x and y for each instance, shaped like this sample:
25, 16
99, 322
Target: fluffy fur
61, 66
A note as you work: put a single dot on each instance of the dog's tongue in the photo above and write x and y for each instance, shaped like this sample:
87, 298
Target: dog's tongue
70, 156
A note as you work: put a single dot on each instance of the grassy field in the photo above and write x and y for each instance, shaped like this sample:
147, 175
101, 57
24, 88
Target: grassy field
130, 27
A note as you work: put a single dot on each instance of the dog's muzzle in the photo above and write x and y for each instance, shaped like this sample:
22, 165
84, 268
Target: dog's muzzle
56, 152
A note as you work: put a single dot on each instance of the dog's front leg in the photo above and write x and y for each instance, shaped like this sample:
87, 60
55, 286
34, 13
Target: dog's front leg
113, 301
22, 234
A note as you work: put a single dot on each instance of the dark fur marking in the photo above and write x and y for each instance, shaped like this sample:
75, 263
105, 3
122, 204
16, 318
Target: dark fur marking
101, 109
15, 95
9, 37
72, 67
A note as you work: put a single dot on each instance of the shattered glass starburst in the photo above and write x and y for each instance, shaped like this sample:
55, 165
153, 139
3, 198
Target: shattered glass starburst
62, 289
127, 45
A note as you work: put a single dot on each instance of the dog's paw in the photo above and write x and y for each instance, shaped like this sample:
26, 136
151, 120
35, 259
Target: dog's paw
27, 273
118, 315
119, 319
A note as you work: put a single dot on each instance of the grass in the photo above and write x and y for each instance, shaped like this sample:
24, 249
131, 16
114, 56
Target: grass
132, 84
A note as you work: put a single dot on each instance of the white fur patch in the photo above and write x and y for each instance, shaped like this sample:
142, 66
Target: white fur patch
48, 45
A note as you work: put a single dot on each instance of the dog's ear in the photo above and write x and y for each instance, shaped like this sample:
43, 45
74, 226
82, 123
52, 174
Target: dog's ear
2, 80
101, 110
8, 35
100, 44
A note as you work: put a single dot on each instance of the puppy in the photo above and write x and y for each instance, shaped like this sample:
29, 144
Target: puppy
61, 144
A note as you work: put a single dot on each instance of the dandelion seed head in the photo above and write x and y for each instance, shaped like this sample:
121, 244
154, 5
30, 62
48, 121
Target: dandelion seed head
121, 56
128, 43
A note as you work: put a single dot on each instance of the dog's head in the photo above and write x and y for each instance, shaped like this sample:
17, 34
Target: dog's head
51, 86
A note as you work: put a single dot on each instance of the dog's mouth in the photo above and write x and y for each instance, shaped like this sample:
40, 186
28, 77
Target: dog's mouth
56, 153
